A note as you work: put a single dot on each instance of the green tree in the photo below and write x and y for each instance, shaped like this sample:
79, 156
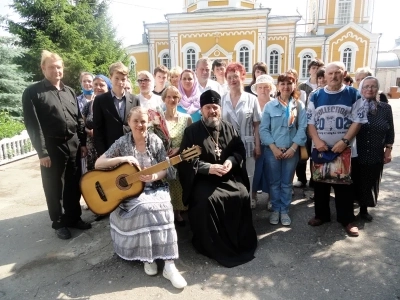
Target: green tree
81, 33
13, 79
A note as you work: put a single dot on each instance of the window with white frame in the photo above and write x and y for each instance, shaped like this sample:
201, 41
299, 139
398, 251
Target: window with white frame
305, 60
344, 12
274, 62
348, 58
166, 61
191, 59
244, 58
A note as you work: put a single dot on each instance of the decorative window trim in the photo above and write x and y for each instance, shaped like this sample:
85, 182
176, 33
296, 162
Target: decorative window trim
250, 46
184, 50
280, 51
302, 53
354, 48
337, 13
161, 57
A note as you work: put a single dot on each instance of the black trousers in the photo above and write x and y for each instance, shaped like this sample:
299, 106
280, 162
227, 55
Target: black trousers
302, 166
344, 198
61, 181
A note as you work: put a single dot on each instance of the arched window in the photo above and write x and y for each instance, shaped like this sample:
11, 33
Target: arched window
166, 61
244, 58
191, 59
132, 65
274, 62
305, 60
348, 58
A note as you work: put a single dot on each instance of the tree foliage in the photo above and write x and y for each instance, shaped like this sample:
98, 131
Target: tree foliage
13, 79
82, 34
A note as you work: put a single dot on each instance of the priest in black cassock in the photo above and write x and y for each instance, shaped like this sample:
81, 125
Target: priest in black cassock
216, 188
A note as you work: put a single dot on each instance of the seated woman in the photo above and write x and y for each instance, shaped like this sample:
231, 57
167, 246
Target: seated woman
282, 131
176, 124
189, 88
142, 227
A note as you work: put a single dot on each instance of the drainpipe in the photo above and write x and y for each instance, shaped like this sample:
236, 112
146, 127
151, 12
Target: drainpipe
169, 42
266, 37
324, 56
377, 51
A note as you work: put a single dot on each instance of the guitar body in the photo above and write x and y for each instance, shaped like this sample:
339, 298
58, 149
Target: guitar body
104, 190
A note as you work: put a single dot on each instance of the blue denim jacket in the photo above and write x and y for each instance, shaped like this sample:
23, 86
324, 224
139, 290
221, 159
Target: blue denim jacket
274, 127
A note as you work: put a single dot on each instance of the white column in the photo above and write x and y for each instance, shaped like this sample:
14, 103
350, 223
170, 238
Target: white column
261, 44
290, 58
174, 50
152, 55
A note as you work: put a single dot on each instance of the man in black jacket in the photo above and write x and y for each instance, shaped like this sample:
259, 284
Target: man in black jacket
110, 110
56, 128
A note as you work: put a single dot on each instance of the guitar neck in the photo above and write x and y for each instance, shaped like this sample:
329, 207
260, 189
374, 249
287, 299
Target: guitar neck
153, 169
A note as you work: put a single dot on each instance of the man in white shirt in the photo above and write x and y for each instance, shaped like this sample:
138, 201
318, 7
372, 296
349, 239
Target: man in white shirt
219, 68
203, 68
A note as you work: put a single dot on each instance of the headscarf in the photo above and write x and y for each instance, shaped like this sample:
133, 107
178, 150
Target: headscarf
192, 103
150, 77
105, 79
84, 91
372, 104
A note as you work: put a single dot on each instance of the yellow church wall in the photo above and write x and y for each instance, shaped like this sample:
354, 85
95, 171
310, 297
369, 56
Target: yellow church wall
331, 12
192, 8
297, 60
357, 11
218, 3
329, 31
158, 47
142, 61
246, 4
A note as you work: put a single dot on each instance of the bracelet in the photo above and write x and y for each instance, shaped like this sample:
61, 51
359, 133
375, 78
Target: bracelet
293, 149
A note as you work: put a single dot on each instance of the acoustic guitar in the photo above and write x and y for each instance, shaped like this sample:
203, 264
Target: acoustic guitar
103, 190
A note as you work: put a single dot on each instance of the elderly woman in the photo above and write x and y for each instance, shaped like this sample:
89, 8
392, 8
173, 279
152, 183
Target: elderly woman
259, 68
363, 72
174, 75
188, 86
242, 110
263, 88
86, 80
374, 147
282, 131
101, 85
142, 227
176, 124
147, 98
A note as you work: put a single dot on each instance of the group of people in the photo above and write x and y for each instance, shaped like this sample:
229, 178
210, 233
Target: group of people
250, 137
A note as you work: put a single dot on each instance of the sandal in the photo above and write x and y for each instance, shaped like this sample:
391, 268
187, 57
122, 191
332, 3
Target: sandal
315, 222
352, 230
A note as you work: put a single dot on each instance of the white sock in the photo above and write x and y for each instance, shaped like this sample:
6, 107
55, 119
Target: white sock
169, 265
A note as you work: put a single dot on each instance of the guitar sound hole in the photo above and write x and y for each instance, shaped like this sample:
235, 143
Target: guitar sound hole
122, 183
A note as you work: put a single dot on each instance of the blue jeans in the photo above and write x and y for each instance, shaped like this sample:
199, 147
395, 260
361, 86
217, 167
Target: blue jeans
260, 178
280, 173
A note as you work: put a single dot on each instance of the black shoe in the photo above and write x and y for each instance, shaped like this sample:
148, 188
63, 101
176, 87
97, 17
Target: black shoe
80, 225
63, 233
181, 223
366, 216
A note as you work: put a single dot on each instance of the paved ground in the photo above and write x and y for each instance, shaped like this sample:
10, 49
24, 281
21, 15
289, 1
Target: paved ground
299, 262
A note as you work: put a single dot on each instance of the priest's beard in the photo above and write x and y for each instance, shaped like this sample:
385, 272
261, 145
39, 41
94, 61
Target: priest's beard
211, 121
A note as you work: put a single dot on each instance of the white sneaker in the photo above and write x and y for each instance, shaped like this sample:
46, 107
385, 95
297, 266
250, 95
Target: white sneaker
175, 277
285, 220
274, 218
299, 184
150, 268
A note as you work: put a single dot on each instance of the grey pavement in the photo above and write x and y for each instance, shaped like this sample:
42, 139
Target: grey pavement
296, 262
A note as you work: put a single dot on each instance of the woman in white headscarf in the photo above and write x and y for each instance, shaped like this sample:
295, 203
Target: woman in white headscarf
147, 98
374, 146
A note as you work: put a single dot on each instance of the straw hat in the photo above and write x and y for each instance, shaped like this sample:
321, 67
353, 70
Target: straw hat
264, 79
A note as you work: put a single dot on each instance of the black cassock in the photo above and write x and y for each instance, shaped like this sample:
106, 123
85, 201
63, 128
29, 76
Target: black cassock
219, 207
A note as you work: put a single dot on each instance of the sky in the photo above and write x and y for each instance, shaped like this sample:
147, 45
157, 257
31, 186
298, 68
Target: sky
128, 16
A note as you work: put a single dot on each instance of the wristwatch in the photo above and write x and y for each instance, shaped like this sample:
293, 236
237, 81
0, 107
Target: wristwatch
346, 141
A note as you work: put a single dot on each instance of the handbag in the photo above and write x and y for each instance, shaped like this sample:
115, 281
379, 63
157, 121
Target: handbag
303, 153
330, 167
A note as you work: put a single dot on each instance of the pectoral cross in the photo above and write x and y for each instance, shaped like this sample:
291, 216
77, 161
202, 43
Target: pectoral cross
218, 151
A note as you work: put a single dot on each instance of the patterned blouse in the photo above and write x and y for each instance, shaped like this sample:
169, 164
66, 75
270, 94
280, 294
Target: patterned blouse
374, 135
125, 146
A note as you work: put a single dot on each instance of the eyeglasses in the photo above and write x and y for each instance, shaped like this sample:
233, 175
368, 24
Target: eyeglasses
367, 87
143, 80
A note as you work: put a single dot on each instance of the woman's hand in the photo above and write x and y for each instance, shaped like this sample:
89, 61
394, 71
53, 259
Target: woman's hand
173, 151
131, 160
257, 152
387, 157
289, 153
276, 151
148, 178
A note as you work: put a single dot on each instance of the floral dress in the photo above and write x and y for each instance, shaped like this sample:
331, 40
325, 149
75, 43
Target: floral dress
176, 130
142, 227
91, 157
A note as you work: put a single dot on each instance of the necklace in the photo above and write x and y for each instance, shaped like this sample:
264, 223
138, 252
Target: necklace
217, 149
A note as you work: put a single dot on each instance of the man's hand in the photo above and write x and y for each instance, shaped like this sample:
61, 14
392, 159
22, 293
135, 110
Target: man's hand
45, 162
83, 151
219, 170
339, 147
257, 152
320, 145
